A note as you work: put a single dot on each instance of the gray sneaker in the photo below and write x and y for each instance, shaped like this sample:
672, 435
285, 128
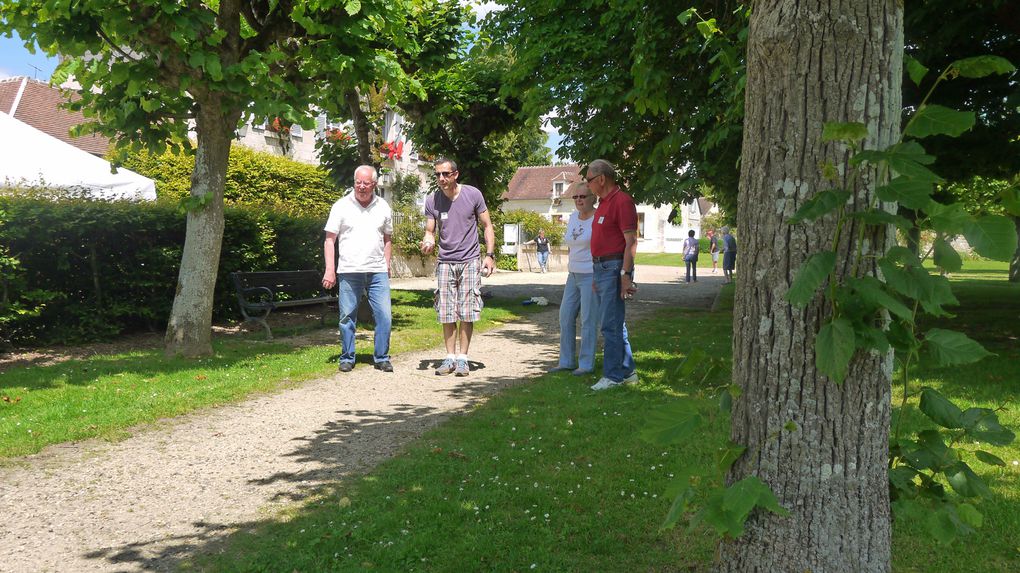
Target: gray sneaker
605, 384
462, 368
447, 367
632, 379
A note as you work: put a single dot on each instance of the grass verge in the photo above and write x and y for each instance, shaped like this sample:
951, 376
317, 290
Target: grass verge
103, 395
551, 476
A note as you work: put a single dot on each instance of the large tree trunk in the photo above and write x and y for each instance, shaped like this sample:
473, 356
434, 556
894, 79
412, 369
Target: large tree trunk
1014, 265
189, 330
810, 63
361, 127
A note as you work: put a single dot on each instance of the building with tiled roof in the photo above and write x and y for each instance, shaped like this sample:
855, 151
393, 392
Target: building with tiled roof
542, 189
38, 104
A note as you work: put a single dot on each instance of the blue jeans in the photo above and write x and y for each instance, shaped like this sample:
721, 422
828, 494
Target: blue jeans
692, 269
352, 285
617, 358
578, 298
543, 259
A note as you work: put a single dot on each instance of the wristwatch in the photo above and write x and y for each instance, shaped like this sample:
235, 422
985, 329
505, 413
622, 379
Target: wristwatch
628, 273
491, 255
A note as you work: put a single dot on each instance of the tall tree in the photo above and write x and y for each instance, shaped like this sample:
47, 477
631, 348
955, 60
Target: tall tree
807, 64
635, 84
151, 69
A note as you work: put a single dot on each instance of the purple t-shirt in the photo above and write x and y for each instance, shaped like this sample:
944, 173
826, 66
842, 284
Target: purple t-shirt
456, 223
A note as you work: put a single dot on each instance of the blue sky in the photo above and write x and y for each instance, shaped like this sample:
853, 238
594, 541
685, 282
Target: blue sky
15, 60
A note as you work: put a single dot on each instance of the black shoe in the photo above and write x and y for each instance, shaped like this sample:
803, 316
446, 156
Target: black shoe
346, 366
385, 366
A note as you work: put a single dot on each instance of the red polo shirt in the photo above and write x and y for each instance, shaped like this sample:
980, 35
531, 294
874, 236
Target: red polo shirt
615, 214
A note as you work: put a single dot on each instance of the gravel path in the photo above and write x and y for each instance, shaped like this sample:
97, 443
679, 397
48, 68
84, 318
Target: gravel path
165, 494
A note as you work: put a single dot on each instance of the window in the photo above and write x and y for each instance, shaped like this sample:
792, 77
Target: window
641, 225
296, 131
557, 189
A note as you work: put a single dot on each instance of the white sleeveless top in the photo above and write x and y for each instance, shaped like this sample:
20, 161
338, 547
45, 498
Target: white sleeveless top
578, 239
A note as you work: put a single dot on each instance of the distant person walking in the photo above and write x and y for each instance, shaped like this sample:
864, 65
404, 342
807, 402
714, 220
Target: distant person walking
729, 261
359, 228
542, 248
454, 212
691, 249
579, 297
613, 248
713, 249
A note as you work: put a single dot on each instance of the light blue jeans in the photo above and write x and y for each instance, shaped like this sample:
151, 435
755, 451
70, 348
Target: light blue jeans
578, 298
617, 358
543, 259
352, 285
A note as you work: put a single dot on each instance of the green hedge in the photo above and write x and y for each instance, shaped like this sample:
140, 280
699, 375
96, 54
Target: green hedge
76, 270
253, 178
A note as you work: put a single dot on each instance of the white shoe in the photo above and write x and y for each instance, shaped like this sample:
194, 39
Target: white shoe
605, 384
632, 379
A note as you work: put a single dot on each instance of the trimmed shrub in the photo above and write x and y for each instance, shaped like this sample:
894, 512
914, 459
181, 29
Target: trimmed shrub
89, 270
253, 178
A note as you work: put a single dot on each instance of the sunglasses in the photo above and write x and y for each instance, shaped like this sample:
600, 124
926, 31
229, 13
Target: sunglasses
442, 174
576, 197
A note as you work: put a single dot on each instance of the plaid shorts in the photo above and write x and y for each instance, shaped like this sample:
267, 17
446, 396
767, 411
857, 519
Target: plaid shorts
459, 295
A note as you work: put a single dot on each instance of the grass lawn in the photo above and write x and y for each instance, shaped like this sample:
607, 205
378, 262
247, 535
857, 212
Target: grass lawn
551, 476
104, 395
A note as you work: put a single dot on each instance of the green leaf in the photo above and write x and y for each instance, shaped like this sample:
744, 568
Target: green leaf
878, 217
990, 459
947, 219
911, 193
834, 347
941, 526
902, 478
672, 424
939, 120
848, 132
946, 257
727, 455
810, 276
1010, 199
678, 507
965, 482
906, 158
915, 69
992, 236
949, 347
940, 410
873, 291
352, 7
981, 66
970, 515
820, 204
685, 16
983, 425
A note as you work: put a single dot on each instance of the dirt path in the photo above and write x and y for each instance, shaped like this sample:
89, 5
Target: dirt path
148, 502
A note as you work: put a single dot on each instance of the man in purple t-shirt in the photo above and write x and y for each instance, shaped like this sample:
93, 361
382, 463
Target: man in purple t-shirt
456, 210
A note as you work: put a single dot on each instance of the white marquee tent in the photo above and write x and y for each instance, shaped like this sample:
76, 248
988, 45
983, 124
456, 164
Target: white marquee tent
31, 158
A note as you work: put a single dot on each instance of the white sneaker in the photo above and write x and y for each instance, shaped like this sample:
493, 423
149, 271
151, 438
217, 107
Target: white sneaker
632, 379
605, 384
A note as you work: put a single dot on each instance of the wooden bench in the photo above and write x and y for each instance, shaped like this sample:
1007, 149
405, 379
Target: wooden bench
260, 293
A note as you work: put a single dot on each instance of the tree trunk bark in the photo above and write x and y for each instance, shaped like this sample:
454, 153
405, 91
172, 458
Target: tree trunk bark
1014, 265
807, 64
361, 127
189, 330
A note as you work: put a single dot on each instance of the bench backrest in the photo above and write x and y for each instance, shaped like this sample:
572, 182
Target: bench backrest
293, 284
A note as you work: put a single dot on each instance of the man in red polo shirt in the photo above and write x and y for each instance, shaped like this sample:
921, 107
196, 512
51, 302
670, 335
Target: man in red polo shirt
613, 247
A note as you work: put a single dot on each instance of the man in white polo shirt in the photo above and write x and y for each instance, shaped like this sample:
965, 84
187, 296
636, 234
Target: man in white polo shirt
361, 225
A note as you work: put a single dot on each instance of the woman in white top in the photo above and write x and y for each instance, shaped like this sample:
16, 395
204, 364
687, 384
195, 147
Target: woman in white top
578, 295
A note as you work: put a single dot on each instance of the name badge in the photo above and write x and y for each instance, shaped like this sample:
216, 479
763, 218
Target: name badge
443, 216
601, 219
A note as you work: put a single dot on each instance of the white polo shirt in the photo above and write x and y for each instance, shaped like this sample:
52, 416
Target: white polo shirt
359, 233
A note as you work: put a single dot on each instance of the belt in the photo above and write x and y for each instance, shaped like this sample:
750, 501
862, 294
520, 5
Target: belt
612, 257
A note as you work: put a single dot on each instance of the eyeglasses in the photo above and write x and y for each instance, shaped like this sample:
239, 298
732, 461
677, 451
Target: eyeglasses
588, 179
442, 174
576, 197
